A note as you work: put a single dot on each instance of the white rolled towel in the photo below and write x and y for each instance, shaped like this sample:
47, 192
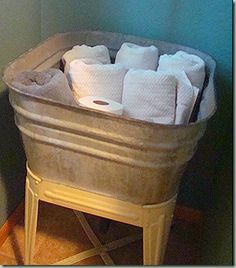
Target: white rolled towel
100, 53
193, 66
150, 96
92, 78
186, 98
137, 57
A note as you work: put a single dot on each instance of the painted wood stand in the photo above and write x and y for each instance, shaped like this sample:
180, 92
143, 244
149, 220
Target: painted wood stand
154, 219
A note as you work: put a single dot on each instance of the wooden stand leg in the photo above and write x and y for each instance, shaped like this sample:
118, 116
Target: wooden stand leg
156, 232
31, 216
168, 221
155, 219
152, 242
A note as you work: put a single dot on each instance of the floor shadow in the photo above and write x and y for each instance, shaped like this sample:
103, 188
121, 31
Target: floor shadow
16, 248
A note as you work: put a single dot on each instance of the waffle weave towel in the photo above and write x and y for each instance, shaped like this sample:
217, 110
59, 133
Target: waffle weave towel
137, 57
193, 66
92, 78
150, 96
99, 53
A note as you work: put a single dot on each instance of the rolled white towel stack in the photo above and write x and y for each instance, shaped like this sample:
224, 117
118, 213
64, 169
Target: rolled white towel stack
137, 57
99, 53
193, 66
92, 78
164, 96
150, 96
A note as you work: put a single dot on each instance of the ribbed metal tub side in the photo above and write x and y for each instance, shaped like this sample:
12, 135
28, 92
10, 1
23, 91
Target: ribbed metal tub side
127, 159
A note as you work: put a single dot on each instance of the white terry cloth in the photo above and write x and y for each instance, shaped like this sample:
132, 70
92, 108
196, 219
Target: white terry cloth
137, 57
91, 78
150, 96
51, 83
100, 53
186, 98
193, 66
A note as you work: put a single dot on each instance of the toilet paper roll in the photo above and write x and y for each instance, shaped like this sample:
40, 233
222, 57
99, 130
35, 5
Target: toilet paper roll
101, 104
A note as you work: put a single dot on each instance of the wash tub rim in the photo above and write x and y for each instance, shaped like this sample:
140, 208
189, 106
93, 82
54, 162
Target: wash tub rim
127, 120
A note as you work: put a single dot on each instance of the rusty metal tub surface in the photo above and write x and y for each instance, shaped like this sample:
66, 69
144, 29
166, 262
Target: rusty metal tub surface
127, 159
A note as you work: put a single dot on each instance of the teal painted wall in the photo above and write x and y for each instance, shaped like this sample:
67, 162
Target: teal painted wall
67, 15
19, 31
207, 26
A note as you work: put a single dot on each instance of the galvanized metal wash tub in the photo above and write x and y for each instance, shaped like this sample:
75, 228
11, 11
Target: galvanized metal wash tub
127, 159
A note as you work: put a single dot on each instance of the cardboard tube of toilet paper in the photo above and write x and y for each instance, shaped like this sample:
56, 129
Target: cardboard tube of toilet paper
101, 104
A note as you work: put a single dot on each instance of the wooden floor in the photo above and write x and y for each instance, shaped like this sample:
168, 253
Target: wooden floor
60, 236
